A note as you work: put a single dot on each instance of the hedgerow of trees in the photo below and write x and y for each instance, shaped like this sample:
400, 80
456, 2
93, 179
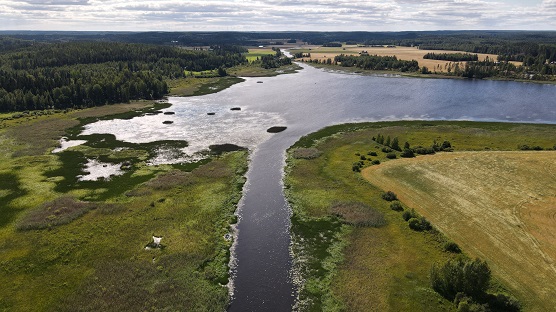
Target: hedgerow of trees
85, 74
376, 62
453, 57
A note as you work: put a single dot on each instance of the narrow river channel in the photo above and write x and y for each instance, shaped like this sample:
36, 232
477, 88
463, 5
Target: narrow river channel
305, 102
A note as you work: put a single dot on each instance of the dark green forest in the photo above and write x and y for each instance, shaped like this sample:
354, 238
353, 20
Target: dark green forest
453, 57
375, 62
84, 74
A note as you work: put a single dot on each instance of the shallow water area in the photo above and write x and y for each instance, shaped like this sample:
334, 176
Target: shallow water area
98, 170
191, 122
65, 143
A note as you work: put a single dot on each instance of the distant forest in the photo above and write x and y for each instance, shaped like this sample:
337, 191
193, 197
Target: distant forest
84, 74
40, 70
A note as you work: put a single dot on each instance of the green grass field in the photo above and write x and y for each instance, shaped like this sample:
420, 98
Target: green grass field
68, 245
363, 268
255, 53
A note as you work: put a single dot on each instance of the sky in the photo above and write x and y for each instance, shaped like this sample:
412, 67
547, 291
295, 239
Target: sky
277, 15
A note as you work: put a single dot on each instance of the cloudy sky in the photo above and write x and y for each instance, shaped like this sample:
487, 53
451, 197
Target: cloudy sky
276, 15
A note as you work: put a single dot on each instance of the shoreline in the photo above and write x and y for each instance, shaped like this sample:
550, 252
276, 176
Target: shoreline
386, 73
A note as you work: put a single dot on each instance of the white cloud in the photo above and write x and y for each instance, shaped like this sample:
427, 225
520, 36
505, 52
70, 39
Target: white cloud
373, 15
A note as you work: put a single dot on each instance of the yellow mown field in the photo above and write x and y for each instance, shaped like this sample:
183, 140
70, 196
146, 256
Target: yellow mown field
500, 206
402, 53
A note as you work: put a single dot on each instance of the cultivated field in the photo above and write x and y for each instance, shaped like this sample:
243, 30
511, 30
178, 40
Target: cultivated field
402, 53
500, 206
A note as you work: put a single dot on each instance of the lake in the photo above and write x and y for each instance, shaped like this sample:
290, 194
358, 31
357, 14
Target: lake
305, 102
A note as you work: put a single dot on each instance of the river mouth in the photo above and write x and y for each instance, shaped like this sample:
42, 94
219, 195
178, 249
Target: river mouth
305, 102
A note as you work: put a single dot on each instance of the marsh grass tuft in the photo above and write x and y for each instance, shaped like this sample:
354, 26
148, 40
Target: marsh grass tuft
168, 181
60, 211
358, 214
306, 153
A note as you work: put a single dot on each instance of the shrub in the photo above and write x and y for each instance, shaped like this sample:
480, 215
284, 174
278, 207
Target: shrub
391, 156
386, 150
419, 224
363, 157
501, 302
396, 206
446, 145
395, 144
471, 277
358, 214
375, 154
408, 214
376, 162
424, 150
407, 153
356, 167
389, 196
451, 247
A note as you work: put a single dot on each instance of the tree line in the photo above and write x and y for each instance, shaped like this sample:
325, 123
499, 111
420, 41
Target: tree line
375, 62
453, 57
85, 74
274, 60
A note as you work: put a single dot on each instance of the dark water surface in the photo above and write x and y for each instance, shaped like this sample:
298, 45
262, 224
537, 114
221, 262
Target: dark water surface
306, 102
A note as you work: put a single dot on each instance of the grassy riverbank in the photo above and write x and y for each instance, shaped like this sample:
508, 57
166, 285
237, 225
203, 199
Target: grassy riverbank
67, 243
381, 264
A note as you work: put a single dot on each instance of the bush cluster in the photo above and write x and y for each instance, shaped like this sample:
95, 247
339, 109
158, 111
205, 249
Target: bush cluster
419, 224
470, 277
525, 147
451, 247
396, 206
389, 196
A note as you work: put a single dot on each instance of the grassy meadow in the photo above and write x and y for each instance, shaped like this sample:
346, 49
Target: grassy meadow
70, 245
381, 264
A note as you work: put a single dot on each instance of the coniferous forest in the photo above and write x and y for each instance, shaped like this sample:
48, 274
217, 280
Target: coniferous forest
84, 74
